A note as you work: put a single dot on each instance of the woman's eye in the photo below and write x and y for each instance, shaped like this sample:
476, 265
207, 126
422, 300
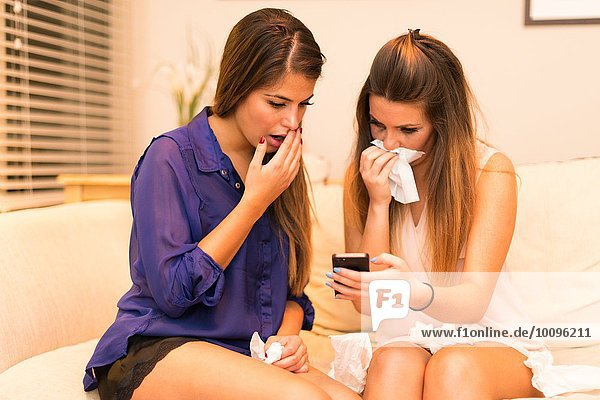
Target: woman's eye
276, 105
409, 131
306, 104
376, 124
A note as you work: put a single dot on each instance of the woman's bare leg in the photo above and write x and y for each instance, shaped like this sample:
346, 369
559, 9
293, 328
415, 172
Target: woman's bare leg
201, 370
396, 372
483, 372
335, 389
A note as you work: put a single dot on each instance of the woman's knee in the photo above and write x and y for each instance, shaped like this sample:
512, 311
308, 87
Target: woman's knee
393, 359
450, 361
452, 373
394, 370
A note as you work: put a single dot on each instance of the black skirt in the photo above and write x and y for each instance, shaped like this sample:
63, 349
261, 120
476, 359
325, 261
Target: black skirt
118, 380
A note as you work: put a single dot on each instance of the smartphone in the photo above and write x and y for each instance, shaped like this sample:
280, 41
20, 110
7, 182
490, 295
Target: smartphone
353, 261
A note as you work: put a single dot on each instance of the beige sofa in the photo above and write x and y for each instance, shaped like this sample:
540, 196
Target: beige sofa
63, 268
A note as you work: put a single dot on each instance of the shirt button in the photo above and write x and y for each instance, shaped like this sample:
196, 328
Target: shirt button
237, 185
224, 172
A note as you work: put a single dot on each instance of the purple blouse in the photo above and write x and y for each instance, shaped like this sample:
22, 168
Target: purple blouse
182, 187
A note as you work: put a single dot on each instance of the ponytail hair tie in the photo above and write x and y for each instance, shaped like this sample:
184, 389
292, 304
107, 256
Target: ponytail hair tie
414, 33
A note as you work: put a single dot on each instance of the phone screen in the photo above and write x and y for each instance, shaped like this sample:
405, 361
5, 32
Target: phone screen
353, 261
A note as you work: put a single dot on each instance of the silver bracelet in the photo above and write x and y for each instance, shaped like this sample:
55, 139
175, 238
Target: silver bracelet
428, 303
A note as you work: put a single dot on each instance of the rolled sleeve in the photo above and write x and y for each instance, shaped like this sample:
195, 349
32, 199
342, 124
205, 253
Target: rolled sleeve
207, 280
307, 307
176, 271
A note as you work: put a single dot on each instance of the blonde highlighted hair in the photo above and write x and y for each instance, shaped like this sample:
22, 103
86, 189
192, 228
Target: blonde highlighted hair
420, 69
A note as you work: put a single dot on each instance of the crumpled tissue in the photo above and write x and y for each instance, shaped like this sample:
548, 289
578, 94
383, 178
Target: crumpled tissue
402, 179
257, 350
353, 353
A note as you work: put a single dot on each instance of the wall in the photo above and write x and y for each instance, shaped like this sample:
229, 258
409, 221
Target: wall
538, 86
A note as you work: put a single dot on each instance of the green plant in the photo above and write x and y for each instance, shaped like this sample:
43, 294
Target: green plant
190, 81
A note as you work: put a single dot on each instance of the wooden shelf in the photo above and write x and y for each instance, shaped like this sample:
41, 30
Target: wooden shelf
83, 187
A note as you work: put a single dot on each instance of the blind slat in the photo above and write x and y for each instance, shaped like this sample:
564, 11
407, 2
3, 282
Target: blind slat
59, 68
63, 55
103, 4
75, 21
59, 107
74, 8
58, 93
56, 132
96, 53
57, 170
58, 81
37, 184
93, 40
90, 121
58, 158
57, 145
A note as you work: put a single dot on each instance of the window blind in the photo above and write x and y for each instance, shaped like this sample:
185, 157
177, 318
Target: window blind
63, 96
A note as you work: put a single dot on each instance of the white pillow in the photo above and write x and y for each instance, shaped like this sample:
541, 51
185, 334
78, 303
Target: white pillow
318, 168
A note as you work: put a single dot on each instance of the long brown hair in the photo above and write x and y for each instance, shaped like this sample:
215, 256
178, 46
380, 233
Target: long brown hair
261, 48
420, 69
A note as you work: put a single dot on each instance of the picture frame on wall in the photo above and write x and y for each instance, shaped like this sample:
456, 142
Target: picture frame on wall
559, 12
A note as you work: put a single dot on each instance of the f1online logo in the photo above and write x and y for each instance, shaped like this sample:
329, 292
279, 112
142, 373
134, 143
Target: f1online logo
389, 299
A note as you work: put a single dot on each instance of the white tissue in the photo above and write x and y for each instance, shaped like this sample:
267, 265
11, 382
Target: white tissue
257, 350
353, 355
553, 380
402, 179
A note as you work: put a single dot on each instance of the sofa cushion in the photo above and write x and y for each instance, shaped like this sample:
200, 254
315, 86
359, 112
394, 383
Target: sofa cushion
63, 269
331, 316
557, 217
55, 375
554, 258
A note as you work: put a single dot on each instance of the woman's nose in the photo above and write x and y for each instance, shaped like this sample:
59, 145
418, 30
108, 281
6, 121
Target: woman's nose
292, 119
390, 142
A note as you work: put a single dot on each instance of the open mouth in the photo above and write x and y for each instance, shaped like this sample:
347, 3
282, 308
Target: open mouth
279, 138
275, 140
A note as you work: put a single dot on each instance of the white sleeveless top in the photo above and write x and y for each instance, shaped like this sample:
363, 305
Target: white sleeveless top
502, 312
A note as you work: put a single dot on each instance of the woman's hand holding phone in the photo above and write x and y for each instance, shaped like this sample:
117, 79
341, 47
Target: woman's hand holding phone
353, 285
